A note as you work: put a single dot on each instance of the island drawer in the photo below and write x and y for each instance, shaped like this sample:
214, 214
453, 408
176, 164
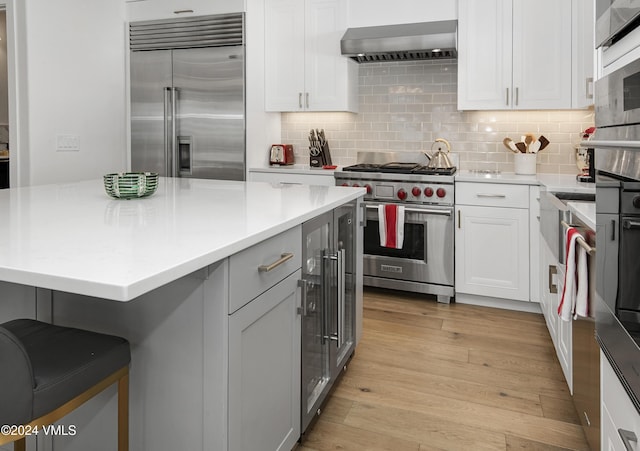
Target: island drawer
492, 195
255, 270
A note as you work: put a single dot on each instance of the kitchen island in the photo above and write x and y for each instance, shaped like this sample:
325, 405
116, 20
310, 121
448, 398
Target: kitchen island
167, 272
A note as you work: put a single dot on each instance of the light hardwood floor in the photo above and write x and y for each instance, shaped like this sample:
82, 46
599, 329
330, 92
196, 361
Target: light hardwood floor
430, 376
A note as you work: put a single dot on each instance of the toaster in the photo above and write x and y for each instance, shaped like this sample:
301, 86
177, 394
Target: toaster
281, 154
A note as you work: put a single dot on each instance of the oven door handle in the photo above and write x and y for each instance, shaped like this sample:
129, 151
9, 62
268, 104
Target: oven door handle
429, 211
629, 224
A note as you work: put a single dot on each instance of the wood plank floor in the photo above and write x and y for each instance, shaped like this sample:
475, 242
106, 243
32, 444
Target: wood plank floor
430, 376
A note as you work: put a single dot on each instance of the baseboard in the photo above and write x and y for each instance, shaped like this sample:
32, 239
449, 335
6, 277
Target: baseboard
508, 304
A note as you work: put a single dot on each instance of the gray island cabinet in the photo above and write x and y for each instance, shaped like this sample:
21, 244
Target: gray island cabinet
202, 278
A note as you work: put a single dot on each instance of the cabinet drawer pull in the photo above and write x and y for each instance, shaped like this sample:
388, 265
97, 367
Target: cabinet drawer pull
183, 11
553, 288
496, 196
628, 437
283, 258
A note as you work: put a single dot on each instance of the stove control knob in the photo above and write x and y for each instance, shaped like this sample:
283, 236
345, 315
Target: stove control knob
440, 192
636, 201
428, 192
416, 191
402, 194
345, 184
355, 185
369, 189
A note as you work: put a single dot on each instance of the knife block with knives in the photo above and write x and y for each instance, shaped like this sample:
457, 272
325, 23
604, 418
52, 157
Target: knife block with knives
319, 154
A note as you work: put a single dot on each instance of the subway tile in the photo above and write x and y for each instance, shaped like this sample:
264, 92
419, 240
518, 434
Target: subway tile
405, 106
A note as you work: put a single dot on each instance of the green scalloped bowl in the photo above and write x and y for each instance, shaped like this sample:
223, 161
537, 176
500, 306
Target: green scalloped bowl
130, 185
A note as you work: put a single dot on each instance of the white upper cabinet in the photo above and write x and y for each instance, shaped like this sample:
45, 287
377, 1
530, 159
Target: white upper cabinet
167, 9
304, 70
583, 53
514, 54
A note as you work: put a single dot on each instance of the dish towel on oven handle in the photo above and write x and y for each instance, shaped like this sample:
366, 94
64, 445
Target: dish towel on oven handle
574, 300
391, 220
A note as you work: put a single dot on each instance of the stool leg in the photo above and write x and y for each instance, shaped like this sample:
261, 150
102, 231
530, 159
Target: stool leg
20, 445
123, 413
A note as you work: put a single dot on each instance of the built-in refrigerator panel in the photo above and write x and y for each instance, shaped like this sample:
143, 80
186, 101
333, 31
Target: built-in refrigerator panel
210, 123
316, 372
151, 74
328, 314
344, 317
188, 97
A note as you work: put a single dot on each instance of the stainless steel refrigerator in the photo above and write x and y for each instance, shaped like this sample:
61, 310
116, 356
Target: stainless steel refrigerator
188, 97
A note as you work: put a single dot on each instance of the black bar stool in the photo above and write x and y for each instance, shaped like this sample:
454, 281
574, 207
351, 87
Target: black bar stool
47, 371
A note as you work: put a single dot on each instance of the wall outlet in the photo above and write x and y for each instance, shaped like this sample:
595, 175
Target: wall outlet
65, 143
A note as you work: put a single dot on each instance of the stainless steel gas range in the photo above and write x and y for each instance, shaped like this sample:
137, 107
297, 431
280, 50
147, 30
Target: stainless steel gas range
424, 263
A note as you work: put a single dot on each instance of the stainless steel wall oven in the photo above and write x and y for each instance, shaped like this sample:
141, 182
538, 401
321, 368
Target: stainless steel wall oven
617, 154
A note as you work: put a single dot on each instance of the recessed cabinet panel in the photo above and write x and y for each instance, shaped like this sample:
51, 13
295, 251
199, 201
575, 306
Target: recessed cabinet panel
304, 69
284, 54
514, 54
484, 54
542, 54
492, 252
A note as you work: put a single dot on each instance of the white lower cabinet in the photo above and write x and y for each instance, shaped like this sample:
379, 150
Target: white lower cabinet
492, 240
620, 421
264, 370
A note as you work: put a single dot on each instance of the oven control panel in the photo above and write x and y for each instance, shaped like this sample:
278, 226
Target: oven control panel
409, 192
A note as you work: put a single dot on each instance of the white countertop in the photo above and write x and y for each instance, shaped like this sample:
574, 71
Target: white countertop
304, 169
585, 211
74, 238
553, 182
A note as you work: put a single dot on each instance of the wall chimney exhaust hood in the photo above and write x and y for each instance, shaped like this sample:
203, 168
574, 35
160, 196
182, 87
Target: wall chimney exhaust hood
405, 42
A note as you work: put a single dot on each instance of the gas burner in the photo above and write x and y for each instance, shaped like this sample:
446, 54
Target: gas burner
362, 167
398, 168
434, 171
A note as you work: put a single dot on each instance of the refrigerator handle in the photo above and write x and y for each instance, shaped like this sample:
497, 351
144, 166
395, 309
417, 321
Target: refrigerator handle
168, 117
341, 297
175, 168
324, 293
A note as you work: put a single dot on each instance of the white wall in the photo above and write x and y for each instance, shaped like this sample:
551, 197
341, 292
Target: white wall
263, 129
71, 63
366, 13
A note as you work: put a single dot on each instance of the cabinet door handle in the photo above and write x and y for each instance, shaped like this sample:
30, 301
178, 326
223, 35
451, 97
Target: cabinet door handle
589, 88
507, 103
283, 258
307, 99
495, 196
553, 288
517, 96
300, 100
303, 298
628, 437
459, 219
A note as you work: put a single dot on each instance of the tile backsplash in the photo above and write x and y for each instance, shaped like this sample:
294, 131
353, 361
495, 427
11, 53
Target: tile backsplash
406, 106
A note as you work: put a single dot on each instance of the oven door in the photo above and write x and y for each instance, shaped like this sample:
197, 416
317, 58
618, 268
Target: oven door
426, 255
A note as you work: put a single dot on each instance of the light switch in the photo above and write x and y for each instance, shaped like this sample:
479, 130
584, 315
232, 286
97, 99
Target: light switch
67, 143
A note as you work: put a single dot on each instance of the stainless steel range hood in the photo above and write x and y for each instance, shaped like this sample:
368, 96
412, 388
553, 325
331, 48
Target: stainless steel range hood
405, 42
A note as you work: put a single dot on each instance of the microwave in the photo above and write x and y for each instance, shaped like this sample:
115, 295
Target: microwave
614, 19
617, 100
